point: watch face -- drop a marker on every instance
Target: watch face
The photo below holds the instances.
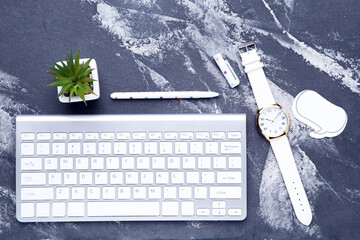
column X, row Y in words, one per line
column 273, row 121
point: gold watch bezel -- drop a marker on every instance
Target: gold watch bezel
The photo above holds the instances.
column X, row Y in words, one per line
column 267, row 136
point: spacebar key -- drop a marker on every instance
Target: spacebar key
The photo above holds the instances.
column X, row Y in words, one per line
column 123, row 209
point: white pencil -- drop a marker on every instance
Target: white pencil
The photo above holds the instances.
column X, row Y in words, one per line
column 163, row 95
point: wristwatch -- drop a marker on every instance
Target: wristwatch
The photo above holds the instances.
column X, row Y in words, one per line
column 273, row 122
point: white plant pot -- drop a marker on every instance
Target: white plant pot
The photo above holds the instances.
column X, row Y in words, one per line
column 96, row 86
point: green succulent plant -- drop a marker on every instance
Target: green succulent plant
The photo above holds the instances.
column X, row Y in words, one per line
column 72, row 76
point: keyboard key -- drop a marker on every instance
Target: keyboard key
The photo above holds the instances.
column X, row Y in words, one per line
column 219, row 204
column 192, row 177
column 204, row 162
column 219, row 162
column 62, row 193
column 42, row 148
column 202, row 135
column 37, row 193
column 82, row 163
column 85, row 178
column 108, row 192
column 200, row 192
column 89, row 148
column 218, row 212
column 58, row 209
column 43, row 209
column 123, row 135
column 50, row 163
column 185, row 192
column 203, row 212
column 186, row 135
column 120, row 148
column 116, row 178
column 224, row 192
column 158, row 162
column 107, row 135
column 139, row 193
column 234, row 212
column 60, row 136
column 155, row 135
column 143, row 162
column 218, row 135
column 173, row 163
column 76, row 136
column 177, row 177
column 43, row 136
column 235, row 162
column 170, row 208
column 211, row 148
column 27, row 210
column 93, row 193
column 97, row 163
column 101, row 178
column 162, row 177
column 92, row 136
column 135, row 148
column 188, row 162
column 196, row 147
column 31, row 163
column 54, row 178
column 147, row 177
column 131, row 178
column 187, row 208
column 74, row 148
column 76, row 209
column 230, row 147
column 150, row 147
column 27, row 149
column 127, row 163
column 33, row 179
column 166, row 148
column 111, row 209
column 169, row 192
column 70, row 178
column 228, row 177
column 112, row 163
column 234, row 135
column 123, row 192
column 78, row 193
column 104, row 148
column 27, row 136
column 58, row 148
column 66, row 163
column 207, row 177
column 171, row 135
column 154, row 192
column 139, row 135
column 181, row 147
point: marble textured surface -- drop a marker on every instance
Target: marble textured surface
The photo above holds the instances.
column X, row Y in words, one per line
column 168, row 45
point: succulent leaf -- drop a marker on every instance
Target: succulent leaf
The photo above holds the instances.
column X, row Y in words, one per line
column 72, row 76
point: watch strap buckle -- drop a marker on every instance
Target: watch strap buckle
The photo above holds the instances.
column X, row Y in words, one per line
column 246, row 47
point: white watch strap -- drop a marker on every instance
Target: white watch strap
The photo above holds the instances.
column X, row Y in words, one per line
column 259, row 84
column 291, row 177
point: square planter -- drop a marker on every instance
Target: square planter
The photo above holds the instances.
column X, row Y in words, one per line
column 96, row 87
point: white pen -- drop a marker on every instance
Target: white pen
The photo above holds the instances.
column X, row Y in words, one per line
column 163, row 95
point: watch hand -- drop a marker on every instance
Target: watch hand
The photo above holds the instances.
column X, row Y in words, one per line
column 275, row 117
column 268, row 119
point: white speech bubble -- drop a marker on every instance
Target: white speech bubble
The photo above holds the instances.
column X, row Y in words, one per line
column 327, row 119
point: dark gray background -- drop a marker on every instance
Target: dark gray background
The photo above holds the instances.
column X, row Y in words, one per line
column 168, row 45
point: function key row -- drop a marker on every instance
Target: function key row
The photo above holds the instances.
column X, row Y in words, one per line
column 29, row 136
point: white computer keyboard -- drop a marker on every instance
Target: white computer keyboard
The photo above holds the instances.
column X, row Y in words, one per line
column 130, row 167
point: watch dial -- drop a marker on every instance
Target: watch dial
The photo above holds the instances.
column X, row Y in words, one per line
column 273, row 121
